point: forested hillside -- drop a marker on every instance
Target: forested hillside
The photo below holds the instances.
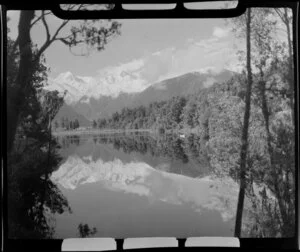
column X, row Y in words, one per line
column 216, row 114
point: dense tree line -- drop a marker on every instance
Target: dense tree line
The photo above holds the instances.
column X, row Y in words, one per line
column 190, row 151
column 182, row 113
column 66, row 124
column 164, row 114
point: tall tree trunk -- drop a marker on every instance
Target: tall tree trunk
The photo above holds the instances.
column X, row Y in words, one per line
column 290, row 78
column 244, row 140
column 291, row 87
column 16, row 96
column 291, row 70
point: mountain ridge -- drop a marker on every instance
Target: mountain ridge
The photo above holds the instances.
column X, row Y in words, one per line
column 94, row 105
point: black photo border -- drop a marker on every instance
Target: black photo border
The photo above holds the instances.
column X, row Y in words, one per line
column 118, row 13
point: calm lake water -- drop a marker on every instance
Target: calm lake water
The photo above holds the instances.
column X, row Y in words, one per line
column 139, row 185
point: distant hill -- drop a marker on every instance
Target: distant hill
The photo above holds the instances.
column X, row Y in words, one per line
column 68, row 112
column 189, row 83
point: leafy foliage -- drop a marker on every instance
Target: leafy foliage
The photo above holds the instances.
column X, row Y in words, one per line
column 215, row 114
column 32, row 197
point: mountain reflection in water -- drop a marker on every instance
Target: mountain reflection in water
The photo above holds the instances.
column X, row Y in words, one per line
column 124, row 186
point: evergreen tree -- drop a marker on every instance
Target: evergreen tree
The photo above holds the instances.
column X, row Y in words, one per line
column 67, row 124
column 76, row 124
column 94, row 124
column 63, row 122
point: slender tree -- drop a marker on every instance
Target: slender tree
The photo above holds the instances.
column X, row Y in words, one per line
column 286, row 18
column 244, row 138
column 16, row 98
column 263, row 43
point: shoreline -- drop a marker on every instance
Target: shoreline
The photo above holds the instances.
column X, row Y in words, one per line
column 119, row 131
column 97, row 131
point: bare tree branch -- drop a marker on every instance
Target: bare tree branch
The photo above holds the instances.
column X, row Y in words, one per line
column 44, row 13
column 59, row 29
column 68, row 43
column 280, row 14
column 32, row 24
column 71, row 7
column 46, row 26
column 49, row 42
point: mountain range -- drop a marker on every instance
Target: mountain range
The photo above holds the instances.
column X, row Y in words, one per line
column 141, row 179
column 88, row 99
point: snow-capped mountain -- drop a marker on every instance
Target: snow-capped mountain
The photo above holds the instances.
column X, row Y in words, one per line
column 114, row 89
column 75, row 86
column 109, row 82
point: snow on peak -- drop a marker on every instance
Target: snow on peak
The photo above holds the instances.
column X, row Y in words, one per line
column 142, row 179
column 109, row 82
column 75, row 86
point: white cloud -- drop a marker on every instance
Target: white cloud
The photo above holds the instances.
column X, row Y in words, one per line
column 220, row 32
column 213, row 53
column 157, row 65
column 210, row 53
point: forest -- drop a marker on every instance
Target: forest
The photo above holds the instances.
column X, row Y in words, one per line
column 246, row 125
column 32, row 151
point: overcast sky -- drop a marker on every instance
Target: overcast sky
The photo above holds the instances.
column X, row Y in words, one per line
column 162, row 47
column 155, row 49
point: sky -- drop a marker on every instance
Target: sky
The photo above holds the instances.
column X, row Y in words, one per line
column 156, row 48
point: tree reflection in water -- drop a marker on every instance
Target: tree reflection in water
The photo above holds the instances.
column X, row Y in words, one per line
column 269, row 191
column 269, row 209
column 85, row 231
column 32, row 196
column 192, row 149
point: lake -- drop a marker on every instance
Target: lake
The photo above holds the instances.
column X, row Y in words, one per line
column 139, row 185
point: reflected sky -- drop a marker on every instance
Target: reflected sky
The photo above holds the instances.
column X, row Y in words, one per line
column 122, row 196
